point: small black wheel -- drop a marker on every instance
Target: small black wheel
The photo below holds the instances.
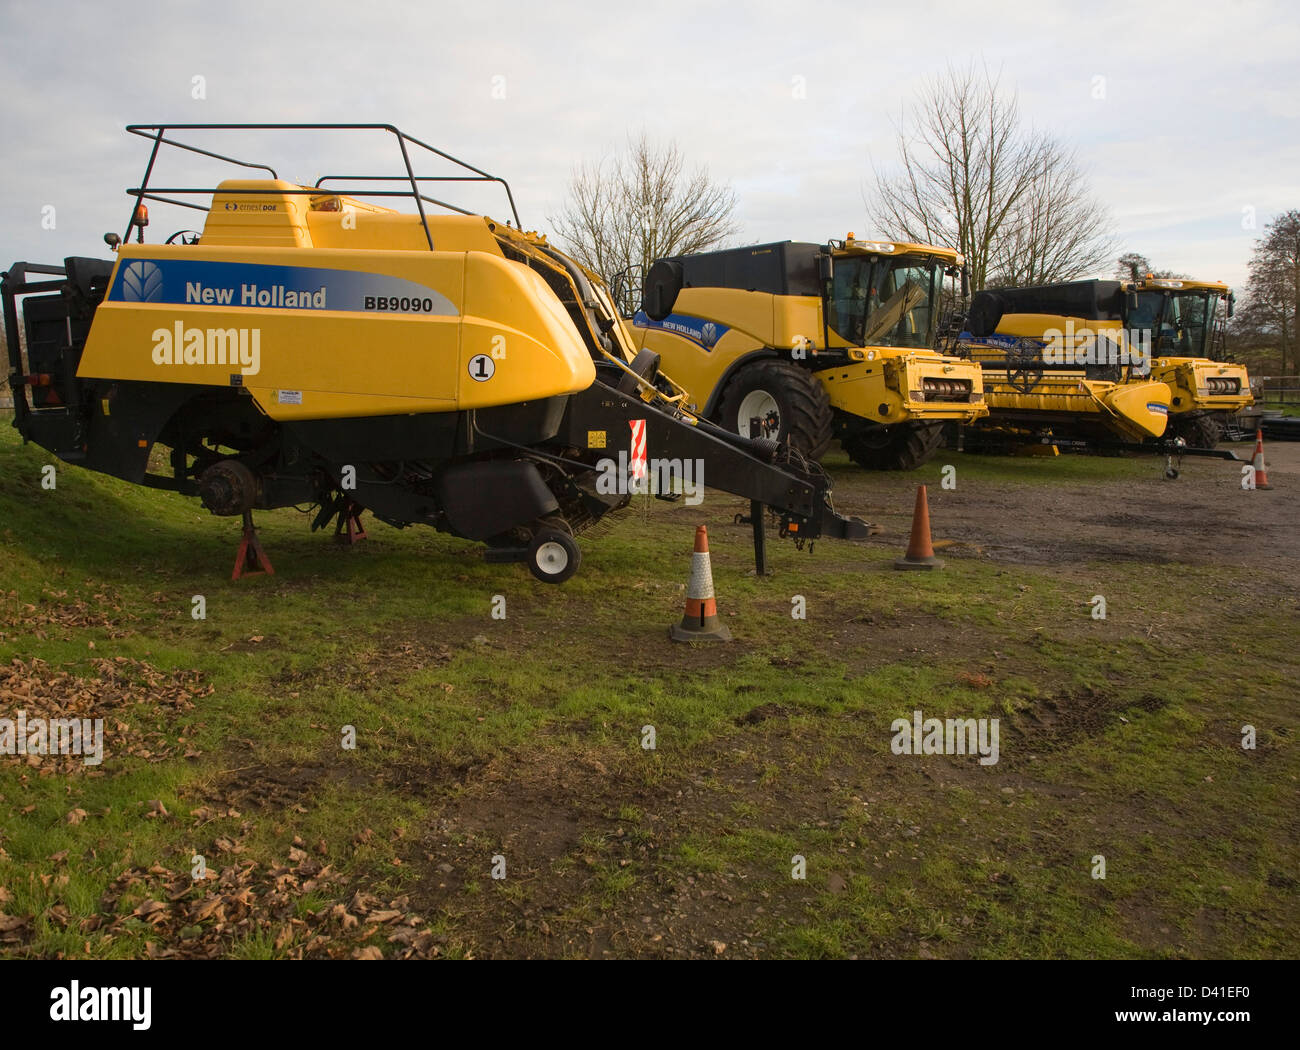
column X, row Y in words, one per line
column 645, row 365
column 184, row 237
column 553, row 555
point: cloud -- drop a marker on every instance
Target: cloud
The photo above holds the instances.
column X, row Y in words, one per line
column 1199, row 110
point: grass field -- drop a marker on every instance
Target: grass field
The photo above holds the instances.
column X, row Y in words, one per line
column 229, row 819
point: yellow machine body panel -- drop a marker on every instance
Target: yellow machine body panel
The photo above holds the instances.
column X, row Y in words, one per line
column 1036, row 326
column 258, row 213
column 852, row 245
column 1197, row 384
column 891, row 386
column 356, row 226
column 349, row 330
column 1178, row 284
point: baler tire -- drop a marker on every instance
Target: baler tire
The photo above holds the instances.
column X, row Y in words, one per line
column 553, row 555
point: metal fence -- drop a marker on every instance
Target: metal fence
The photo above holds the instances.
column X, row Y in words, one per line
column 1279, row 389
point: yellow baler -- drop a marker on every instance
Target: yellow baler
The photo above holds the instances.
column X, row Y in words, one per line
column 307, row 346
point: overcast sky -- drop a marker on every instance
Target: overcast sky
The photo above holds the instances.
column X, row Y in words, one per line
column 1198, row 129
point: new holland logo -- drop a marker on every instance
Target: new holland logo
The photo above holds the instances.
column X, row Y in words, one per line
column 141, row 282
column 709, row 334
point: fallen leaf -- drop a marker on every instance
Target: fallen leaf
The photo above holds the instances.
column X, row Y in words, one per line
column 383, row 916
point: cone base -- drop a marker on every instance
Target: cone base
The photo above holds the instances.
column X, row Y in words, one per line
column 918, row 563
column 688, row 631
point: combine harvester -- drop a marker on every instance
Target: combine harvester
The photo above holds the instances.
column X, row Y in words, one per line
column 306, row 346
column 1187, row 321
column 1075, row 366
column 808, row 343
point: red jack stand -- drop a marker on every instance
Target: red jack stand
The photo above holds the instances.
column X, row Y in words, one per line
column 350, row 519
column 251, row 559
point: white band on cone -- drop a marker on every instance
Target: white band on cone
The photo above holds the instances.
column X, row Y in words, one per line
column 701, row 583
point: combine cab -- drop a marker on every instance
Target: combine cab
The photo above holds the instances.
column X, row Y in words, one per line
column 808, row 343
column 1186, row 321
column 310, row 346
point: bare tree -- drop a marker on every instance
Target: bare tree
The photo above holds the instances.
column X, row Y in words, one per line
column 1270, row 316
column 1013, row 201
column 1058, row 231
column 1130, row 262
column 626, row 211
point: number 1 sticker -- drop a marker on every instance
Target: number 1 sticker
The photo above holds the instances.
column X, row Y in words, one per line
column 481, row 368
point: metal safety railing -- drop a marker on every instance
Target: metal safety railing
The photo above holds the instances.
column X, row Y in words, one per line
column 1280, row 389
column 157, row 134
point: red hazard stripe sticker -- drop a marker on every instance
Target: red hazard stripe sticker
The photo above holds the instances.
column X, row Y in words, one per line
column 637, row 457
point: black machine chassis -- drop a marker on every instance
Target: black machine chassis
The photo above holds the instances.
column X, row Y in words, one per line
column 493, row 475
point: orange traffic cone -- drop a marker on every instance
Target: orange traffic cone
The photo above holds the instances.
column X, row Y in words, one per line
column 920, row 551
column 1261, row 475
column 700, row 622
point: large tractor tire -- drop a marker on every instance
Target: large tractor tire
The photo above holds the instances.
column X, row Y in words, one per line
column 904, row 446
column 792, row 405
column 1201, row 432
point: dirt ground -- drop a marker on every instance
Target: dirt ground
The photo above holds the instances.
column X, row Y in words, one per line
column 570, row 809
column 1204, row 512
column 686, row 852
